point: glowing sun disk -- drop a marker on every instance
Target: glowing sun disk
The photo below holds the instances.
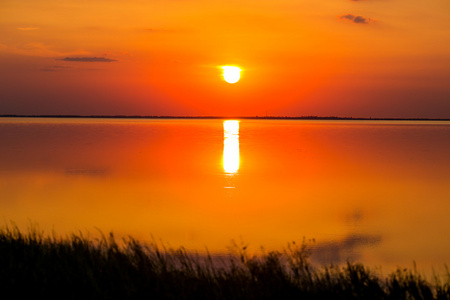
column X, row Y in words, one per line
column 231, row 74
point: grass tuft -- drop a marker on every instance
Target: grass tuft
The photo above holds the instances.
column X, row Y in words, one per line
column 76, row 267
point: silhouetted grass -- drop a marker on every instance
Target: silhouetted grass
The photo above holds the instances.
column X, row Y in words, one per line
column 80, row 268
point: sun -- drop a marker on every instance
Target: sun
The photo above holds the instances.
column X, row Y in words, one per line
column 231, row 74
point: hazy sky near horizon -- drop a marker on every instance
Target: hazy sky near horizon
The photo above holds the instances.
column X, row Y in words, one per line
column 360, row 58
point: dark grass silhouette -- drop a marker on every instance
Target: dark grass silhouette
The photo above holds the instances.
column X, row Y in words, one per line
column 75, row 267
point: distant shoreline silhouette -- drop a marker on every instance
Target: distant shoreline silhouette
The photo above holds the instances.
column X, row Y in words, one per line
column 222, row 117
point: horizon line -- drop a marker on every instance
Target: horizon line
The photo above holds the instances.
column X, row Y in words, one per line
column 221, row 117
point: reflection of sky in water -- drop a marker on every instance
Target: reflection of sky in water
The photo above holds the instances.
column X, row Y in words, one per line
column 376, row 192
column 231, row 146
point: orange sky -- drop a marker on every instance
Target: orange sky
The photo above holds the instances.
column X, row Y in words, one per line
column 366, row 58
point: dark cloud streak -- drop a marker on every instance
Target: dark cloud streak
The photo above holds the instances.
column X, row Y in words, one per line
column 356, row 19
column 88, row 59
column 53, row 68
column 359, row 19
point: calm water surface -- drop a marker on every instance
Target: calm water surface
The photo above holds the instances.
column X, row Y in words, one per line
column 376, row 192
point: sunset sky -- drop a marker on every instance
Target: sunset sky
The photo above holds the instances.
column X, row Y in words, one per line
column 366, row 58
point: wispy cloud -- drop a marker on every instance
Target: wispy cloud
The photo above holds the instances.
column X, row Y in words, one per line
column 28, row 28
column 160, row 30
column 86, row 171
column 356, row 19
column 88, row 59
column 54, row 68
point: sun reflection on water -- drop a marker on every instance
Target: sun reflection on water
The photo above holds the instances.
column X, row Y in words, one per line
column 231, row 147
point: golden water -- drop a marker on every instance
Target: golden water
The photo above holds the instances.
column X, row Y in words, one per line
column 373, row 191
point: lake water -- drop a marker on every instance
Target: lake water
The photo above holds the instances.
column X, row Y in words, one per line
column 371, row 191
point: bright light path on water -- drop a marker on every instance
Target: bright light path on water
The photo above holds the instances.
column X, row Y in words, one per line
column 231, row 146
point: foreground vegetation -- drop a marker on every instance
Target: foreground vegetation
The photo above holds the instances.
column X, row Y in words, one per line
column 77, row 267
